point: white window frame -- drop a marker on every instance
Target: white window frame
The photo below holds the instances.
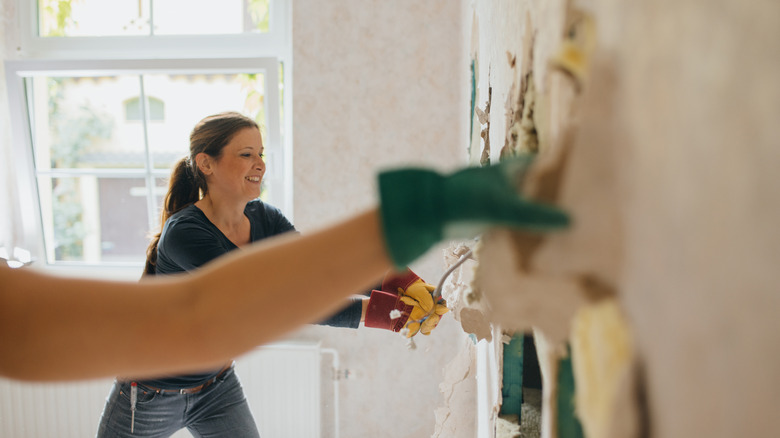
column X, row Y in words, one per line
column 87, row 56
column 31, row 45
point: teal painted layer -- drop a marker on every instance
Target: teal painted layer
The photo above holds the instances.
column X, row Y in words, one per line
column 568, row 424
column 512, row 379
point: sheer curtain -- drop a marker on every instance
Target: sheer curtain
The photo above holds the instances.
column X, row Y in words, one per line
column 9, row 229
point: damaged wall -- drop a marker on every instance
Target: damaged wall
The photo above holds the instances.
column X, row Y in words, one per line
column 656, row 125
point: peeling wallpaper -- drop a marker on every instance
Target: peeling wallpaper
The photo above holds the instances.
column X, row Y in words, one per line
column 663, row 150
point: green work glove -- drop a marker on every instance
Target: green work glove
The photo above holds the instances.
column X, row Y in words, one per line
column 421, row 207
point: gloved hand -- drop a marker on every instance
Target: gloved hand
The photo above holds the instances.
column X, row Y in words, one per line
column 425, row 314
column 407, row 296
column 420, row 207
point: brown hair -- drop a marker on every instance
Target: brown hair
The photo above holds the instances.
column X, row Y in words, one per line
column 187, row 183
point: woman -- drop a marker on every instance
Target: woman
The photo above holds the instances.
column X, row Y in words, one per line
column 211, row 208
column 54, row 328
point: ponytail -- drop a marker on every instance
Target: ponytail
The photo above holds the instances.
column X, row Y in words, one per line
column 183, row 189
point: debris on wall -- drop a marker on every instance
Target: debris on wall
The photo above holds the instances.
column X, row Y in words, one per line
column 463, row 300
column 521, row 293
column 674, row 229
column 521, row 137
column 558, row 287
column 507, row 429
column 484, row 119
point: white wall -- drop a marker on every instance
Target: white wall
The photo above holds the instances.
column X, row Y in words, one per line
column 378, row 84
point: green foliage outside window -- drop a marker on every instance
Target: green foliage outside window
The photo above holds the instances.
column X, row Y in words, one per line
column 259, row 11
column 55, row 17
column 72, row 132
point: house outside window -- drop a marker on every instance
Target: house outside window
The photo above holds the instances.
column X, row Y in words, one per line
column 134, row 110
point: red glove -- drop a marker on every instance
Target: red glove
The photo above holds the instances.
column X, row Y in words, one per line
column 391, row 307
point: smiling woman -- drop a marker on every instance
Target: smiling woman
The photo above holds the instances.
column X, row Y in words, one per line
column 211, row 209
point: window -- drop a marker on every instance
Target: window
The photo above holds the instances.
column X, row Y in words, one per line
column 150, row 17
column 99, row 134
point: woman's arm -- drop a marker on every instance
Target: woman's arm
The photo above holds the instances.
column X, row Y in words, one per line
column 54, row 328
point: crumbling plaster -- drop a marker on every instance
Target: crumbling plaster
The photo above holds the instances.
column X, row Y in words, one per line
column 671, row 186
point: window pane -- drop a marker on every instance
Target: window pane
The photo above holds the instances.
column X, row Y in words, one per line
column 189, row 98
column 92, row 219
column 70, row 18
column 93, row 17
column 134, row 109
column 210, row 17
column 80, row 122
column 90, row 138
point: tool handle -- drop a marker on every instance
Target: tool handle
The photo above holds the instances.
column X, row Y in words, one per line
column 437, row 292
column 133, row 395
column 133, row 401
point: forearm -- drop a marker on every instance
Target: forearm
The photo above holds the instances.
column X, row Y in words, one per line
column 67, row 329
column 340, row 260
column 55, row 329
column 349, row 316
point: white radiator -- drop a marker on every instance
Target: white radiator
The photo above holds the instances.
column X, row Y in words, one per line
column 281, row 381
column 282, row 384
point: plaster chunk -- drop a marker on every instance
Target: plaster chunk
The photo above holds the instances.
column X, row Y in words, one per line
column 602, row 359
column 519, row 301
column 463, row 299
column 505, row 428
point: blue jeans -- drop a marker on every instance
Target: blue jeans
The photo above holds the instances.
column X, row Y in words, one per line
column 220, row 410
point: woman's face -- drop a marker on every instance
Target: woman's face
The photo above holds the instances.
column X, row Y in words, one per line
column 239, row 170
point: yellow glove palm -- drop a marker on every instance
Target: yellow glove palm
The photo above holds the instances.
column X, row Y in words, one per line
column 418, row 295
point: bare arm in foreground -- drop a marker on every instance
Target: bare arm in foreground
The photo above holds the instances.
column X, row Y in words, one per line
column 56, row 328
